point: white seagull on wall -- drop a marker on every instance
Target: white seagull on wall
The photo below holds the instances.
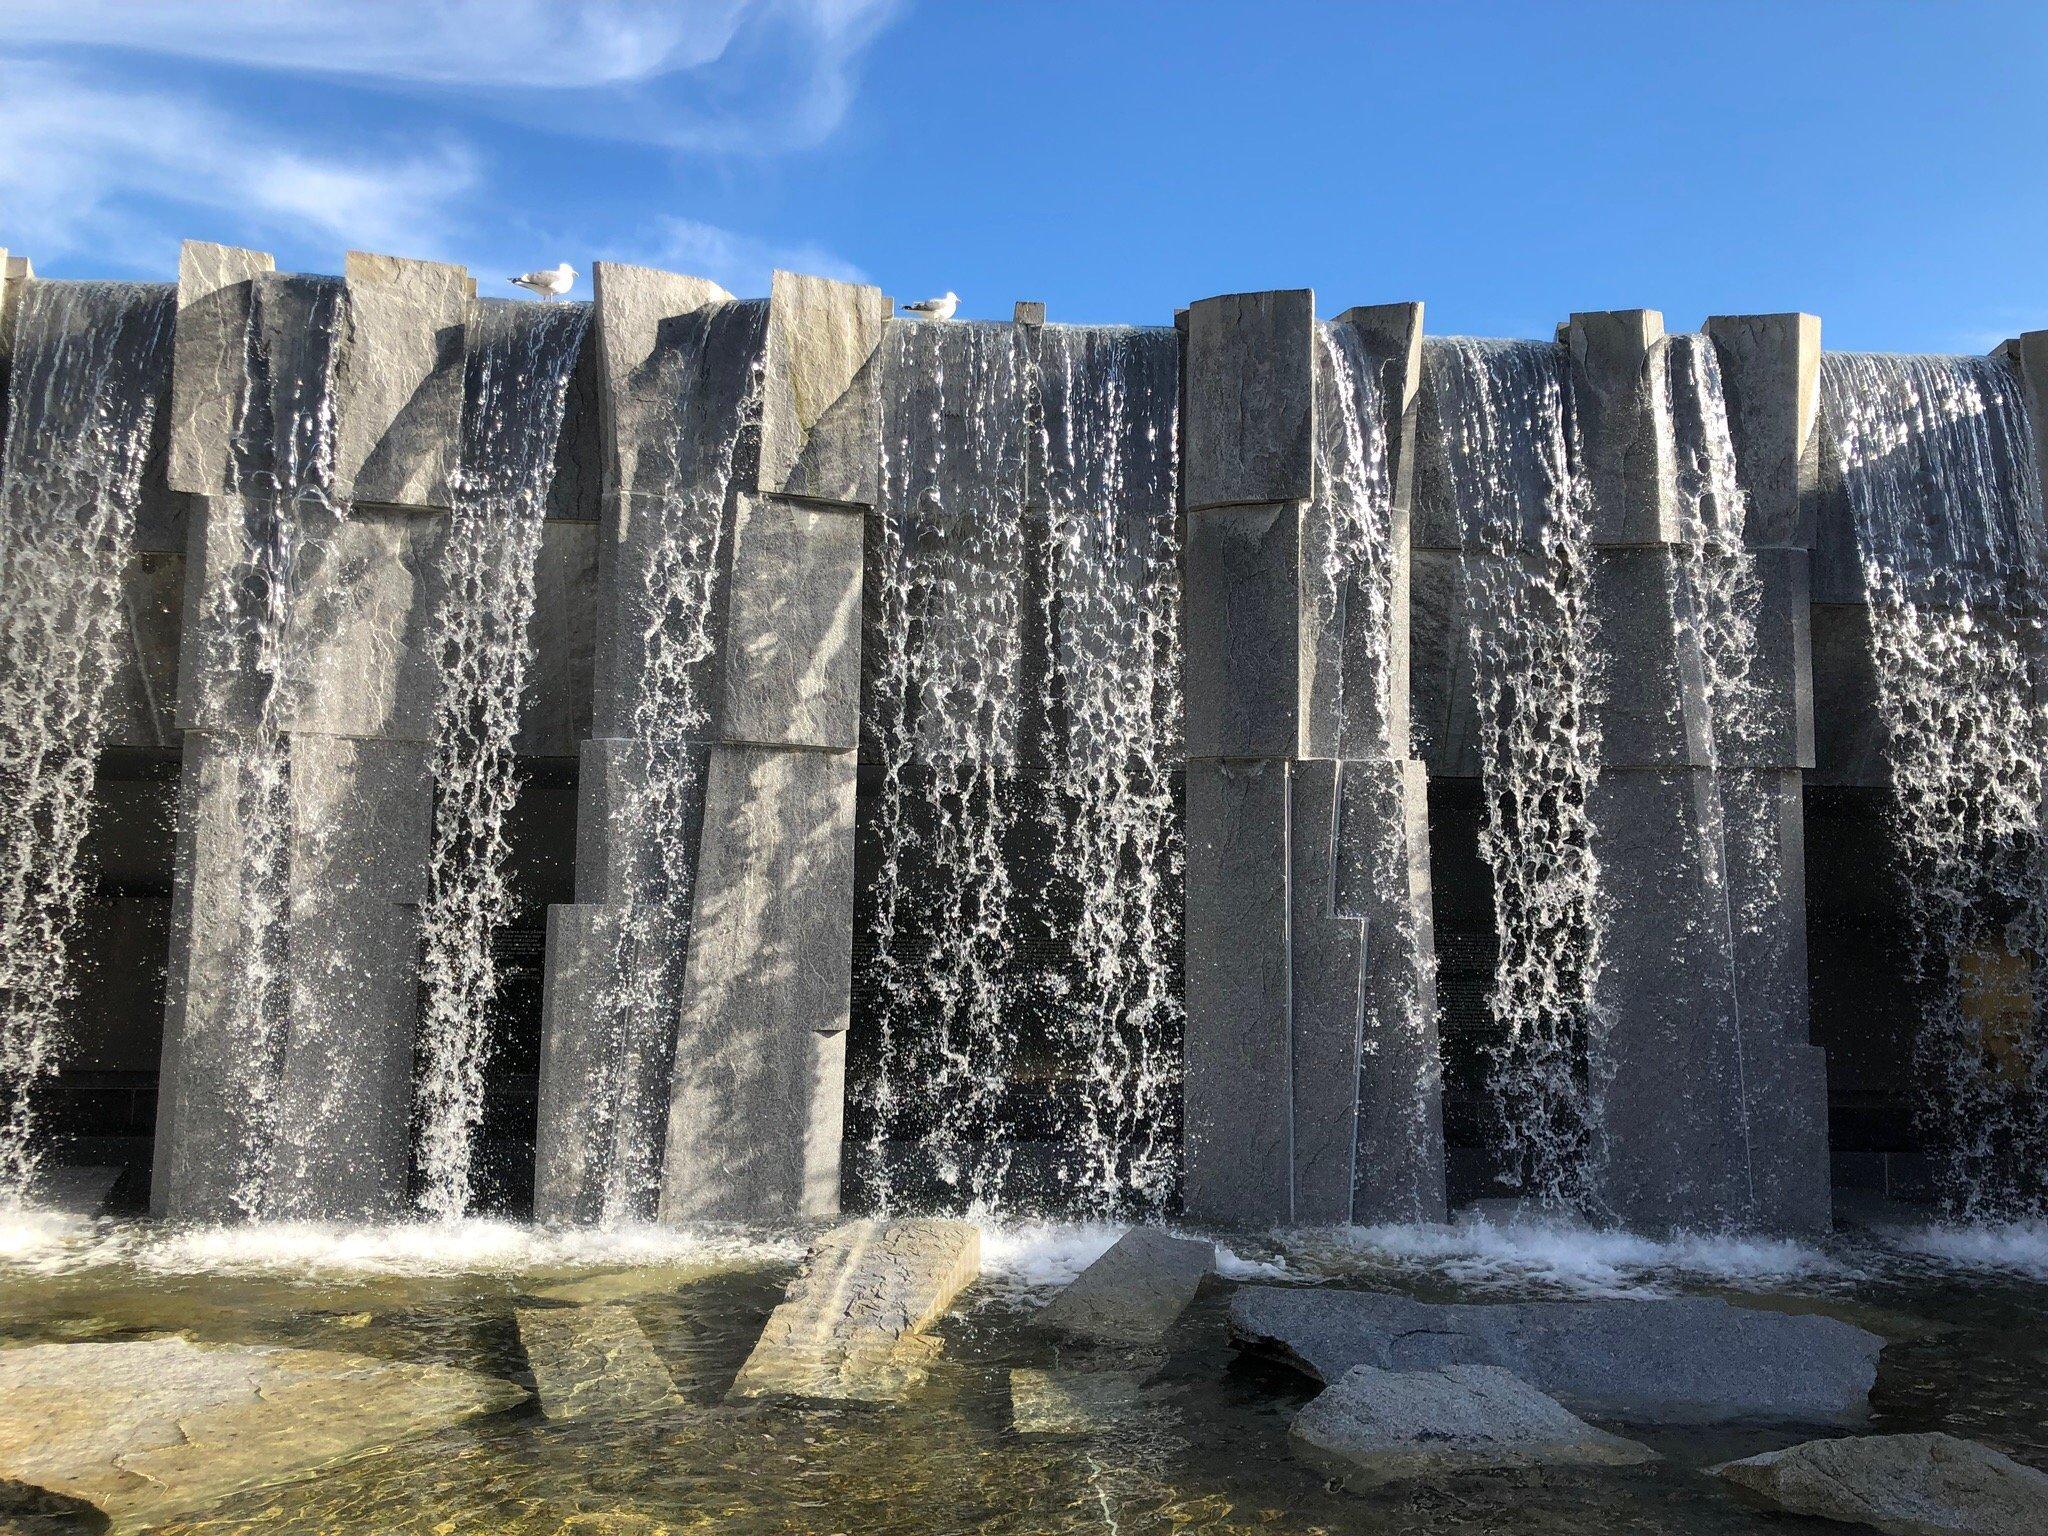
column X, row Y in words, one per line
column 550, row 283
column 935, row 309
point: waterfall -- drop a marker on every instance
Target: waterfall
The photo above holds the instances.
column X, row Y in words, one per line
column 261, row 559
column 948, row 580
column 669, row 593
column 1354, row 558
column 1937, row 466
column 90, row 363
column 1526, row 564
column 520, row 361
column 1111, row 617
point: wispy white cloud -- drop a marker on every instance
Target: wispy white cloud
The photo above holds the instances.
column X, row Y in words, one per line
column 121, row 119
column 91, row 165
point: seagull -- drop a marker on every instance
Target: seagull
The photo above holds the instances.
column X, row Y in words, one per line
column 549, row 283
column 935, row 309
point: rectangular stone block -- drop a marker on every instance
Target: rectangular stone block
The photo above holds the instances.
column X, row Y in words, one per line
column 593, row 1361
column 1241, row 622
column 1393, row 333
column 1850, row 737
column 2030, row 358
column 1781, row 735
column 361, row 604
column 621, row 829
column 398, row 389
column 1250, row 425
column 1666, row 1054
column 1770, row 373
column 556, row 718
column 1326, row 1002
column 1443, row 701
column 1785, row 1074
column 758, row 1093
column 570, row 1159
column 1383, row 875
column 1616, row 362
column 1654, row 712
column 820, row 412
column 215, row 301
column 1239, row 1085
column 790, row 664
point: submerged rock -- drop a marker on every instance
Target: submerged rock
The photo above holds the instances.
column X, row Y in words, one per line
column 1904, row 1485
column 152, row 1428
column 852, row 1323
column 1062, row 1402
column 1378, row 1426
column 1682, row 1361
column 1134, row 1292
column 593, row 1361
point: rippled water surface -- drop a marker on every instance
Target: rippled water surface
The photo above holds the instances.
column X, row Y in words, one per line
column 1964, row 1313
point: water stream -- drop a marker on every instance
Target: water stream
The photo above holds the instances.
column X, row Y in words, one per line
column 520, row 360
column 89, row 372
column 1526, row 560
column 1937, row 463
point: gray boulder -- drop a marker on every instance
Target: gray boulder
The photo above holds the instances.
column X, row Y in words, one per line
column 1904, row 1485
column 1684, row 1361
column 1134, row 1292
column 1379, row 1426
column 154, row 1428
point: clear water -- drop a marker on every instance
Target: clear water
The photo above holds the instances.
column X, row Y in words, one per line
column 89, row 369
column 1525, row 562
column 519, row 370
column 1936, row 459
column 1962, row 1311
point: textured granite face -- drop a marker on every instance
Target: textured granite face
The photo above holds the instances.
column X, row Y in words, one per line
column 853, row 1324
column 1903, row 1485
column 399, row 385
column 153, row 1429
column 820, row 412
column 1770, row 372
column 1132, row 1294
column 1376, row 1426
column 1250, row 428
column 1680, row 1361
column 593, row 1361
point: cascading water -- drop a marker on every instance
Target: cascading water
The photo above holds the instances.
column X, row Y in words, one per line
column 1526, row 565
column 85, row 392
column 1354, row 557
column 949, row 576
column 520, row 361
column 1937, row 465
column 1111, row 611
column 674, row 559
column 281, row 510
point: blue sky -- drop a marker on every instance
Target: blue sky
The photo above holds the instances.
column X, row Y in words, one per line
column 1884, row 165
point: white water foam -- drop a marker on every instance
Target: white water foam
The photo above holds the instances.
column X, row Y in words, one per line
column 2014, row 1249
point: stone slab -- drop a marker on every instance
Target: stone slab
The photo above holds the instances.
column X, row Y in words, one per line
column 1326, row 1001
column 1680, row 1361
column 1068, row 1402
column 215, row 298
column 1904, row 1485
column 1249, row 432
column 1616, row 362
column 1375, row 1426
column 758, row 1092
column 556, row 717
column 153, row 1429
column 1443, row 693
column 1238, row 1087
column 1134, row 1293
column 790, row 665
column 1850, row 738
column 1770, row 374
column 570, row 1161
column 1241, row 632
column 593, row 1362
column 1383, row 875
column 1652, row 712
column 852, row 1325
column 820, row 412
column 398, row 403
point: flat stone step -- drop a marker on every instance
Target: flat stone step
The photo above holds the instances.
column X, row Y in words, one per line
column 1069, row 1402
column 593, row 1360
column 1378, row 1426
column 1903, row 1485
column 1689, row 1360
column 1134, row 1293
column 149, row 1429
column 852, row 1323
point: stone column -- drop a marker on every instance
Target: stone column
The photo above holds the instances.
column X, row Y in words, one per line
column 723, row 1098
column 1671, row 1113
column 320, row 418
column 1301, row 1099
column 16, row 272
column 1770, row 376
